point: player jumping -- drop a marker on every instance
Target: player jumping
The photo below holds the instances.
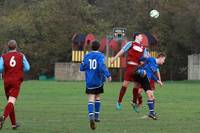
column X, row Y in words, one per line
column 95, row 73
column 13, row 65
column 135, row 51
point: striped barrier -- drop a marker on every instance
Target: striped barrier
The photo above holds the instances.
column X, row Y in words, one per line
column 153, row 53
column 116, row 63
column 77, row 56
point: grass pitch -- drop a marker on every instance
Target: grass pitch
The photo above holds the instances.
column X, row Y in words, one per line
column 61, row 107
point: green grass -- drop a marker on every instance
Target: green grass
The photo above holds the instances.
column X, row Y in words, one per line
column 61, row 107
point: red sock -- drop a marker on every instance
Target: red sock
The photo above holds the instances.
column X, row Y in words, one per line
column 140, row 100
column 122, row 93
column 8, row 109
column 12, row 117
column 135, row 94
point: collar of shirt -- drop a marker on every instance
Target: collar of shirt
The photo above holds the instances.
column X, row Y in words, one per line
column 13, row 50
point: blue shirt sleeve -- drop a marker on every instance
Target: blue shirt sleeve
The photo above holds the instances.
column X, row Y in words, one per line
column 146, row 53
column 82, row 68
column 143, row 59
column 154, row 78
column 83, row 64
column 102, row 67
column 26, row 64
column 127, row 46
column 1, row 65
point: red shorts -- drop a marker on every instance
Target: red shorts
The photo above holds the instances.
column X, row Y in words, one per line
column 129, row 73
column 152, row 84
column 12, row 88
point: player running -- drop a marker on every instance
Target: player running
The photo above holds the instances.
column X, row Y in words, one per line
column 135, row 51
column 95, row 73
column 13, row 65
column 144, row 74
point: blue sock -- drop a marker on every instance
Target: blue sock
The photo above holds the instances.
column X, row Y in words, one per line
column 97, row 108
column 91, row 110
column 151, row 106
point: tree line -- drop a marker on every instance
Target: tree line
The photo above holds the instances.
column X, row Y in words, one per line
column 44, row 28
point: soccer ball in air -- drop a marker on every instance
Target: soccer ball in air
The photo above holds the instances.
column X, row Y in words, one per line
column 154, row 13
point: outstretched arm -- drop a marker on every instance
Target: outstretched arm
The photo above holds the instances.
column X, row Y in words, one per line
column 122, row 51
column 158, row 74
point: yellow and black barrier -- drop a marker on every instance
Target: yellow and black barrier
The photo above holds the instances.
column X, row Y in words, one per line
column 77, row 56
column 153, row 54
column 116, row 63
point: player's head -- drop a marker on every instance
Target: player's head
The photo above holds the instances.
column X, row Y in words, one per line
column 138, row 38
column 95, row 45
column 161, row 58
column 12, row 45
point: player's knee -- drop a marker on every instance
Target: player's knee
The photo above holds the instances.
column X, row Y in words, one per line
column 150, row 95
column 140, row 90
column 11, row 100
column 91, row 97
column 97, row 97
column 136, row 85
column 125, row 84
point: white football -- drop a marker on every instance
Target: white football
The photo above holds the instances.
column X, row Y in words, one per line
column 154, row 13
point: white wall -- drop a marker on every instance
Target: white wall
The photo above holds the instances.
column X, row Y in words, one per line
column 194, row 67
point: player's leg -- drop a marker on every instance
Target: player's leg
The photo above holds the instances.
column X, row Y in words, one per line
column 121, row 94
column 97, row 107
column 140, row 101
column 146, row 86
column 151, row 105
column 7, row 110
column 13, row 117
column 91, row 100
column 135, row 96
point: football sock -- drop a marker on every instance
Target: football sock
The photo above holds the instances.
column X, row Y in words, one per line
column 8, row 109
column 91, row 110
column 97, row 108
column 12, row 117
column 140, row 100
column 122, row 93
column 151, row 106
column 135, row 94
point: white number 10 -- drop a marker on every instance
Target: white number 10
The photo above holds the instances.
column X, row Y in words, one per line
column 12, row 61
column 93, row 64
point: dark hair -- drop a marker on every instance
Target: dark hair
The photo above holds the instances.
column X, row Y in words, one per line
column 136, row 34
column 95, row 45
column 12, row 45
column 161, row 54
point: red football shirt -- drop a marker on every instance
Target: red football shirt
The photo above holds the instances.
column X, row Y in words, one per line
column 13, row 66
column 135, row 52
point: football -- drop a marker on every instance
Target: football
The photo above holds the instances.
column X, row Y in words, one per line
column 154, row 13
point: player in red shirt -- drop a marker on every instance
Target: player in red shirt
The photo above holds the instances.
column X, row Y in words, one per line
column 135, row 51
column 13, row 65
